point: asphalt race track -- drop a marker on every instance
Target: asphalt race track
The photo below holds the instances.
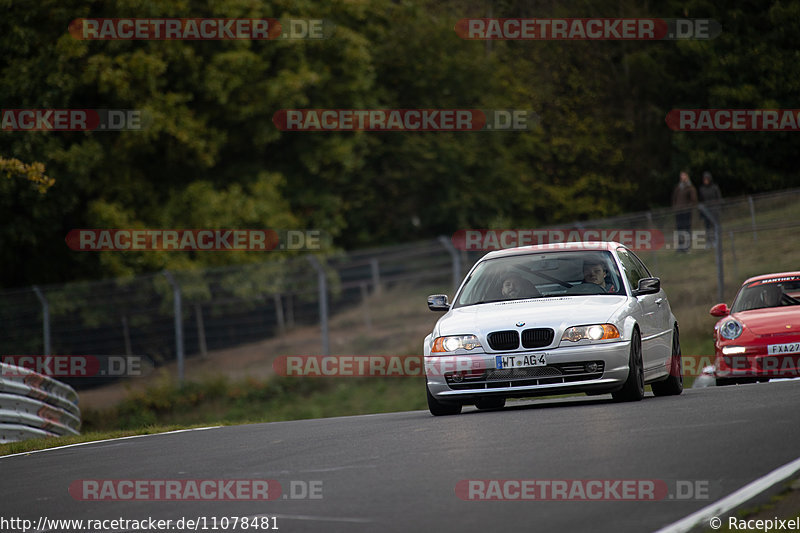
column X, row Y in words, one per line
column 398, row 472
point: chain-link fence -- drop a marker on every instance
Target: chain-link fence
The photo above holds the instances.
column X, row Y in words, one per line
column 168, row 315
column 756, row 234
column 216, row 308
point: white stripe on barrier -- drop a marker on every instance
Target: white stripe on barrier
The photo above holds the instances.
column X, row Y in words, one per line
column 16, row 432
column 33, row 405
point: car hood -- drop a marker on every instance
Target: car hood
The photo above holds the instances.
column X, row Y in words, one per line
column 772, row 320
column 556, row 313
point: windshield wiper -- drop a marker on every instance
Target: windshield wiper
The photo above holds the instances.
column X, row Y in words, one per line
column 491, row 301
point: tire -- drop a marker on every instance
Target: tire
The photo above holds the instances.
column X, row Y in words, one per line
column 633, row 389
column 673, row 385
column 438, row 408
column 490, row 403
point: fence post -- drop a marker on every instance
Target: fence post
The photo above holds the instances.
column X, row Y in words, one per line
column 448, row 244
column 365, row 304
column 733, row 252
column 753, row 217
column 322, row 283
column 276, row 298
column 201, row 331
column 717, row 249
column 289, row 310
column 45, row 318
column 376, row 275
column 176, row 297
column 126, row 335
column 651, row 226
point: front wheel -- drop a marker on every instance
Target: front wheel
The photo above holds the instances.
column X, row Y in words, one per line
column 673, row 385
column 438, row 408
column 633, row 389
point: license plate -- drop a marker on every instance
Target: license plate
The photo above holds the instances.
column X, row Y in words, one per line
column 776, row 349
column 520, row 360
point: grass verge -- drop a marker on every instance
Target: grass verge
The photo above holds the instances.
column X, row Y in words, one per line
column 91, row 436
column 222, row 401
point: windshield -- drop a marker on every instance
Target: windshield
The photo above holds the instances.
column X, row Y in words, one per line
column 775, row 292
column 539, row 275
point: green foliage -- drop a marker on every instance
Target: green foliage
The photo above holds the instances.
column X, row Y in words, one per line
column 221, row 401
column 211, row 157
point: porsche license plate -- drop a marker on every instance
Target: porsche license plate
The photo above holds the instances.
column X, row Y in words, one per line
column 776, row 349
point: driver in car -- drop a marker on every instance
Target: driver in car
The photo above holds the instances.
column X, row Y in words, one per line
column 512, row 287
column 515, row 287
column 594, row 272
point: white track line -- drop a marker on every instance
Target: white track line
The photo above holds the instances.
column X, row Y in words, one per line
column 106, row 440
column 735, row 499
column 320, row 518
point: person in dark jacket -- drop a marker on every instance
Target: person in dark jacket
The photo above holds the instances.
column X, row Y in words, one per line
column 711, row 197
column 684, row 198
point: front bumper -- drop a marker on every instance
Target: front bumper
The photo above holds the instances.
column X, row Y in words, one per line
column 757, row 363
column 466, row 377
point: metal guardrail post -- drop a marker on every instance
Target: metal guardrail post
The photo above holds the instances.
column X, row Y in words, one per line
column 322, row 283
column 45, row 318
column 176, row 297
column 448, row 244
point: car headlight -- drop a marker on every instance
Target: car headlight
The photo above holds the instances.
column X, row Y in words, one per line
column 730, row 329
column 595, row 332
column 733, row 350
column 452, row 343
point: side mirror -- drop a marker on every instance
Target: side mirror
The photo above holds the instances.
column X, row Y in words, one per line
column 647, row 286
column 720, row 310
column 438, row 302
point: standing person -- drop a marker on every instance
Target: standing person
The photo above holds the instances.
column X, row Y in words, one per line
column 684, row 198
column 711, row 197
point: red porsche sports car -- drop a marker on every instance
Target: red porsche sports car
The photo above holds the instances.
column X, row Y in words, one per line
column 758, row 338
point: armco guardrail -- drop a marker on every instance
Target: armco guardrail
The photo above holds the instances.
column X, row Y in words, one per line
column 33, row 405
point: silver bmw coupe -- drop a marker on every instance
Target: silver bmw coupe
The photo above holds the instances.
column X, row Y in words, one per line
column 552, row 319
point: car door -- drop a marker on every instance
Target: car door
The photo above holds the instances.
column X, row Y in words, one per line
column 650, row 312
